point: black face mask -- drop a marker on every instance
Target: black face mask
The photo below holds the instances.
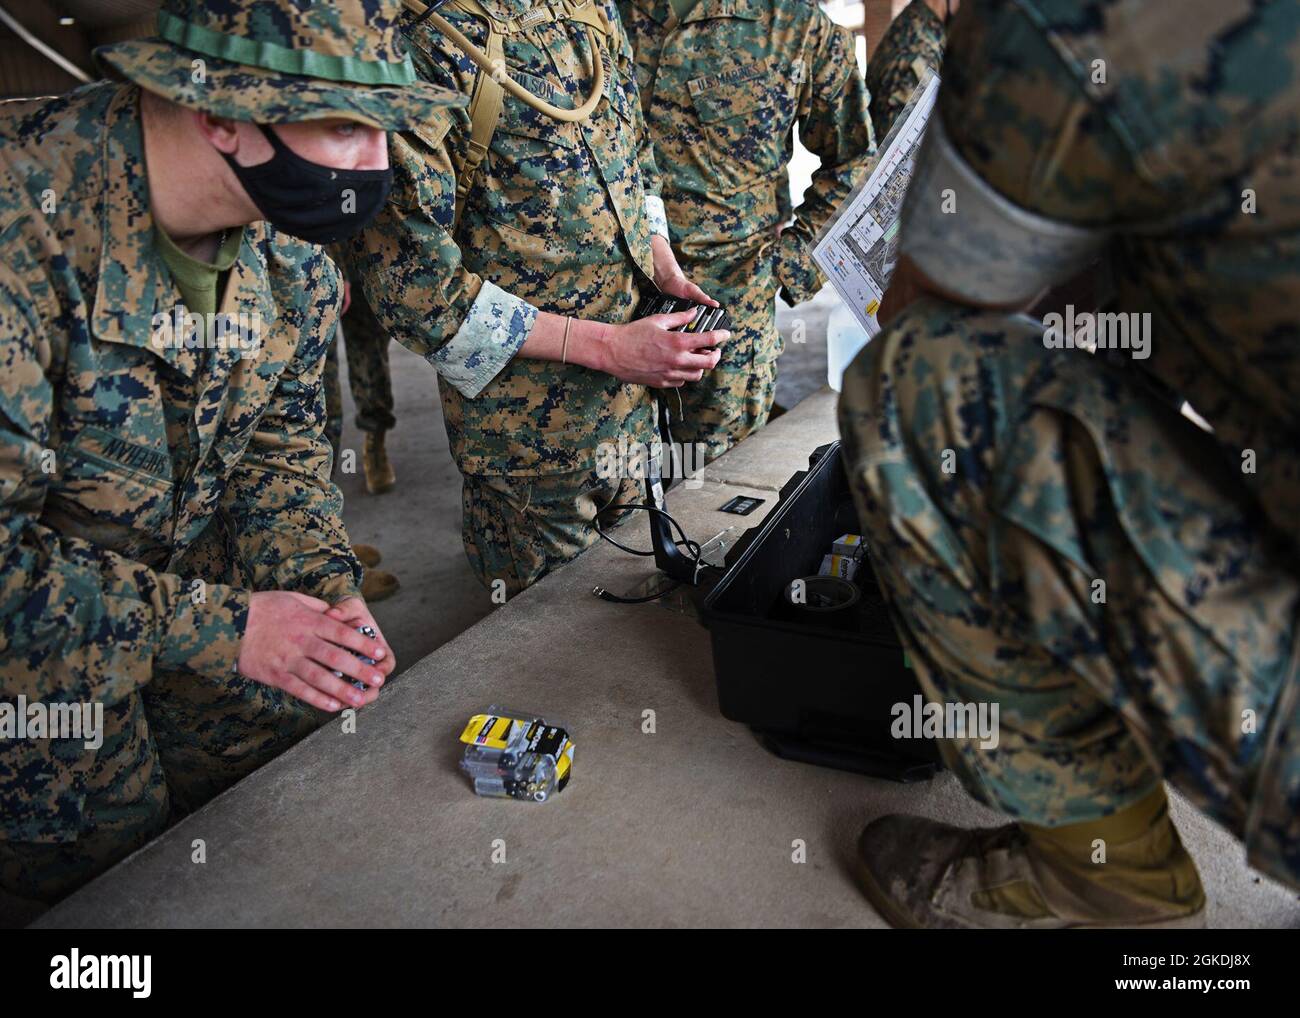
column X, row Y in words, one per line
column 307, row 200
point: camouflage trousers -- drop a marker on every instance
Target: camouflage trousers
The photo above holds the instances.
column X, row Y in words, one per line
column 518, row 529
column 721, row 409
column 369, row 378
column 735, row 398
column 166, row 751
column 1057, row 539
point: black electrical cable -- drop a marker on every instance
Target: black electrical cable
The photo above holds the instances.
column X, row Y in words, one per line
column 605, row 595
column 692, row 547
column 684, row 542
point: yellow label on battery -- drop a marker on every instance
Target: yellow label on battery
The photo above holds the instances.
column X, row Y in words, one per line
column 838, row 565
column 487, row 730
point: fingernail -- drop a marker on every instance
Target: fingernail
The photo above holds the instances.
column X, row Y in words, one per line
column 378, row 654
column 357, row 697
column 376, row 679
column 333, row 705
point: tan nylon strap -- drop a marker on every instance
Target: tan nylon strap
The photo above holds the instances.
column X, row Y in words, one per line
column 577, row 114
column 484, row 112
column 488, row 97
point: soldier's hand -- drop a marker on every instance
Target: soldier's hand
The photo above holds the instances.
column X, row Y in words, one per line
column 669, row 276
column 355, row 612
column 292, row 644
column 646, row 352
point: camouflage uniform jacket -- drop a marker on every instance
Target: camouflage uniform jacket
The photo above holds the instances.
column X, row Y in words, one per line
column 121, row 453
column 722, row 92
column 557, row 220
column 912, row 45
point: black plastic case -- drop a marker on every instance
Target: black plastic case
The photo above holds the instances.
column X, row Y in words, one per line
column 821, row 692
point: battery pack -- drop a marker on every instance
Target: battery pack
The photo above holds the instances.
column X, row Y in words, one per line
column 848, row 544
column 706, row 318
column 516, row 755
column 843, row 566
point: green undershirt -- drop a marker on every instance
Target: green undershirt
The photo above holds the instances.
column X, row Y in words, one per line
column 198, row 281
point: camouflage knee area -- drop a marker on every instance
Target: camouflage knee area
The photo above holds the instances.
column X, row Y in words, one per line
column 126, row 804
column 210, row 733
column 516, row 530
column 721, row 409
column 925, row 403
column 925, row 418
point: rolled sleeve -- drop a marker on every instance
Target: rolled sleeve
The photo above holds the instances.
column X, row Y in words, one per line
column 491, row 334
column 656, row 215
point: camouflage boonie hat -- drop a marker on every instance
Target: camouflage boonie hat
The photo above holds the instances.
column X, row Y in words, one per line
column 280, row 61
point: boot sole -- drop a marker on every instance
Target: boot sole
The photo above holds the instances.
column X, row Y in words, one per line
column 885, row 906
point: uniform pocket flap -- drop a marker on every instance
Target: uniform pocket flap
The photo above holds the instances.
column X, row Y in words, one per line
column 731, row 94
column 521, row 120
column 432, row 132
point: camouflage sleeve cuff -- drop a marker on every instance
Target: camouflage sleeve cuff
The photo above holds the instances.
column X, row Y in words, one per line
column 966, row 236
column 491, row 334
column 204, row 637
column 655, row 215
column 334, row 587
column 795, row 269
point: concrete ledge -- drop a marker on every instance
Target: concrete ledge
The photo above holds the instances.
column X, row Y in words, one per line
column 768, row 457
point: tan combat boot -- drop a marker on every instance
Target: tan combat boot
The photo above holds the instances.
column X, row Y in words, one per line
column 379, row 472
column 923, row 874
column 367, row 554
column 377, row 585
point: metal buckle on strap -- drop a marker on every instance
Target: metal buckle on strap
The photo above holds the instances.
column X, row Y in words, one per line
column 578, row 10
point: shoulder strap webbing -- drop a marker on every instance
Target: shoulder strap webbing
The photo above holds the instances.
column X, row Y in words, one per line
column 485, row 106
column 488, row 96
